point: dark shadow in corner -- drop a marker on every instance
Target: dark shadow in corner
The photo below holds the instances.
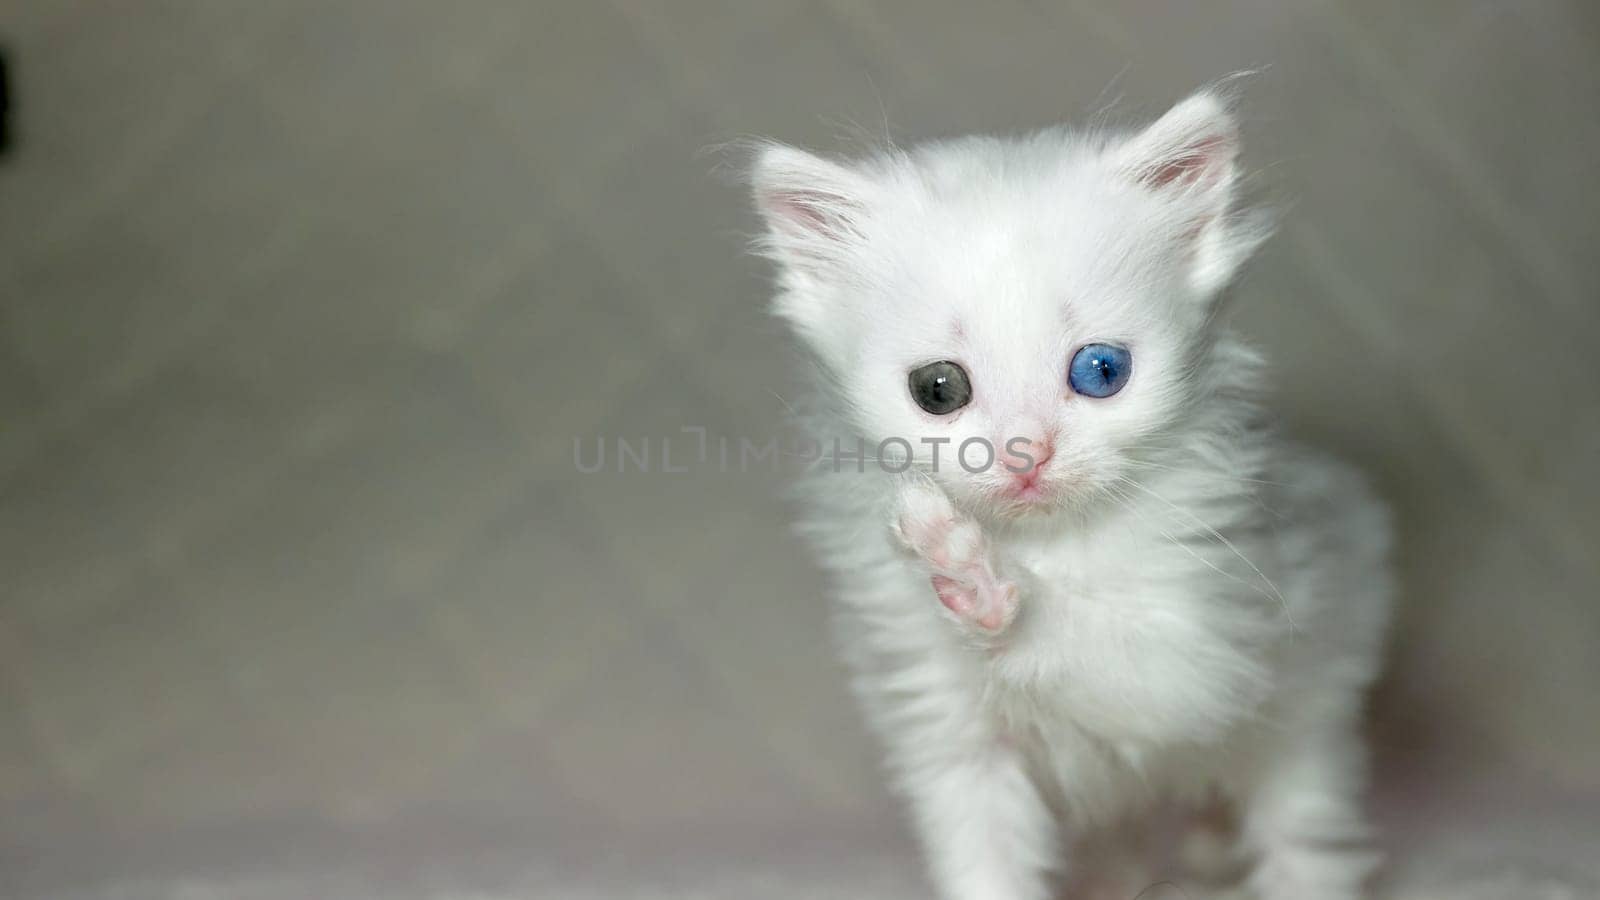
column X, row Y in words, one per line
column 5, row 104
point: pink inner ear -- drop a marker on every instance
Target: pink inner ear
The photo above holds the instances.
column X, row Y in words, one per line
column 1199, row 162
column 813, row 211
column 797, row 207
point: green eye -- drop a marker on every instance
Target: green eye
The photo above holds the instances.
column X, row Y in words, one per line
column 940, row 388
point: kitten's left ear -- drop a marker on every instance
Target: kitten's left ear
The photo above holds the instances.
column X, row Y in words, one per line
column 1189, row 158
column 814, row 208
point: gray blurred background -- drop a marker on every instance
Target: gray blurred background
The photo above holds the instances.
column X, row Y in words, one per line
column 303, row 304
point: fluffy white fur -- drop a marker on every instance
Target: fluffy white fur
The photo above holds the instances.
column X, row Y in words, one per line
column 1196, row 606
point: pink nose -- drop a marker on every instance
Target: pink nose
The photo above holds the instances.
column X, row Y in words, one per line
column 1025, row 460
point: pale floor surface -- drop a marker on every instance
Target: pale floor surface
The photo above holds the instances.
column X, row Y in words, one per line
column 303, row 304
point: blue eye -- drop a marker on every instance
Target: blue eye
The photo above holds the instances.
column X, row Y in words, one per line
column 1099, row 370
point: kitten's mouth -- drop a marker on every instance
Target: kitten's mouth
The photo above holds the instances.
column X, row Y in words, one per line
column 1028, row 498
column 1031, row 493
column 1030, row 488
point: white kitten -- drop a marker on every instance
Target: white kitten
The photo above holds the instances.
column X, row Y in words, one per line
column 1148, row 595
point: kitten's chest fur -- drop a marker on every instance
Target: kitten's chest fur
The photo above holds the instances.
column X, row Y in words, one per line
column 1147, row 633
column 1139, row 627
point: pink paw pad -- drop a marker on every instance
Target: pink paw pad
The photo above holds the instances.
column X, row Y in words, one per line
column 989, row 607
column 955, row 549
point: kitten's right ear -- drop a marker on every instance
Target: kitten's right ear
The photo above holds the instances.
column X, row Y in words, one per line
column 1190, row 158
column 814, row 209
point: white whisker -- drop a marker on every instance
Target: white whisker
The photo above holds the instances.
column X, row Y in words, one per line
column 1276, row 594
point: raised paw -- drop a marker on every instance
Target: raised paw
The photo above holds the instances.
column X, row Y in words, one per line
column 988, row 604
column 957, row 553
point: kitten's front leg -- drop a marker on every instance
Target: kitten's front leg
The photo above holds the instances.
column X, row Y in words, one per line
column 985, row 831
column 958, row 556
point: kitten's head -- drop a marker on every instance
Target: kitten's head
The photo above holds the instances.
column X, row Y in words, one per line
column 1047, row 297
